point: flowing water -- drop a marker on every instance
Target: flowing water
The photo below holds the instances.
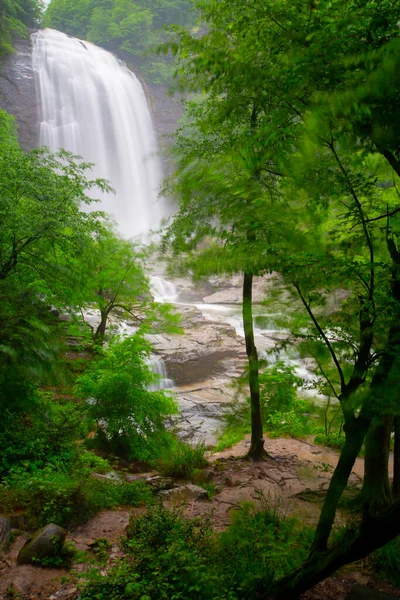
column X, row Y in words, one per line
column 92, row 105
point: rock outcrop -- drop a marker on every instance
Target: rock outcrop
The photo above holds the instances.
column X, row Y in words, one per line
column 18, row 94
column 45, row 543
column 5, row 533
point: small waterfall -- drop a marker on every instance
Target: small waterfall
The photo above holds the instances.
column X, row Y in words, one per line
column 163, row 291
column 157, row 365
column 93, row 106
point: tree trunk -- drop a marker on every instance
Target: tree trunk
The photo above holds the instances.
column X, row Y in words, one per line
column 256, row 451
column 354, row 438
column 355, row 545
column 396, row 460
column 100, row 334
column 376, row 492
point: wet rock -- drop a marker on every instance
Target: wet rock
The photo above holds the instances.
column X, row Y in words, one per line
column 18, row 92
column 5, row 532
column 112, row 476
column 159, row 483
column 359, row 592
column 185, row 492
column 45, row 543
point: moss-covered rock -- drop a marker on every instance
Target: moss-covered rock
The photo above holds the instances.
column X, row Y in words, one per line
column 44, row 544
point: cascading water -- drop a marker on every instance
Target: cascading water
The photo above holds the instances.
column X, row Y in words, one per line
column 93, row 106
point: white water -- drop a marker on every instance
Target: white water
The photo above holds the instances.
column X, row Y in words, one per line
column 163, row 291
column 93, row 106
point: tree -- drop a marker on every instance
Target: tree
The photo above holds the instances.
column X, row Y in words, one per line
column 130, row 29
column 43, row 235
column 130, row 416
column 15, row 18
column 322, row 169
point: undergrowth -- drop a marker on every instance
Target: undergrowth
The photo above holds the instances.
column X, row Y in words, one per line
column 171, row 557
column 182, row 460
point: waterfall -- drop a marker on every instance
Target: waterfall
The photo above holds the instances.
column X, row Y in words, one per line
column 163, row 290
column 92, row 105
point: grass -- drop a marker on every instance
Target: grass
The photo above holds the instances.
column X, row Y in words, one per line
column 182, row 460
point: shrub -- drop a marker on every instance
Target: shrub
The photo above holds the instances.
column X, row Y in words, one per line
column 334, row 439
column 182, row 459
column 130, row 417
column 291, row 423
column 66, row 499
column 386, row 561
column 45, row 436
column 171, row 557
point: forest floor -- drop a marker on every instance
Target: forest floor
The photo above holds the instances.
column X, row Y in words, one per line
column 292, row 481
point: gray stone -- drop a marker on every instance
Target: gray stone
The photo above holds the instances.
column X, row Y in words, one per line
column 159, row 483
column 5, row 532
column 360, row 592
column 112, row 476
column 45, row 543
column 185, row 492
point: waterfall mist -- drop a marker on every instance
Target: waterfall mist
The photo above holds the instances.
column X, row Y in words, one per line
column 93, row 106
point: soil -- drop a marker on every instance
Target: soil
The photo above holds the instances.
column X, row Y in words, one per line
column 292, row 480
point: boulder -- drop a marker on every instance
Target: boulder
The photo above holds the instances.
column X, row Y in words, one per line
column 45, row 543
column 184, row 493
column 360, row 592
column 159, row 483
column 5, row 532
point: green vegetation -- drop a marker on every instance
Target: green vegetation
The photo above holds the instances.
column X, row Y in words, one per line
column 130, row 418
column 182, row 460
column 171, row 556
column 15, row 18
column 132, row 30
column 57, row 382
column 288, row 162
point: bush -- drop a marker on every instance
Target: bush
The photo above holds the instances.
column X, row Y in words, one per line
column 66, row 499
column 182, row 459
column 171, row 557
column 291, row 423
column 386, row 561
column 334, row 439
column 131, row 418
column 45, row 436
column 282, row 412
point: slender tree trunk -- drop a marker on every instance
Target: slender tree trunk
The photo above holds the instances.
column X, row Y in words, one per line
column 354, row 438
column 396, row 460
column 100, row 333
column 256, row 451
column 376, row 492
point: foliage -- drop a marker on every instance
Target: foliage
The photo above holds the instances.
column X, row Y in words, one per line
column 172, row 557
column 131, row 29
column 66, row 497
column 182, row 459
column 116, row 387
column 43, row 437
column 284, row 414
column 15, row 18
column 278, row 388
column 386, row 561
column 44, row 232
column 113, row 279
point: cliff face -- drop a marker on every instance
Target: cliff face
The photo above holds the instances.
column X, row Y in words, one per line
column 18, row 92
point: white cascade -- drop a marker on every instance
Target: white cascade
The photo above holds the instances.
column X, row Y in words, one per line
column 163, row 291
column 158, row 367
column 92, row 105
